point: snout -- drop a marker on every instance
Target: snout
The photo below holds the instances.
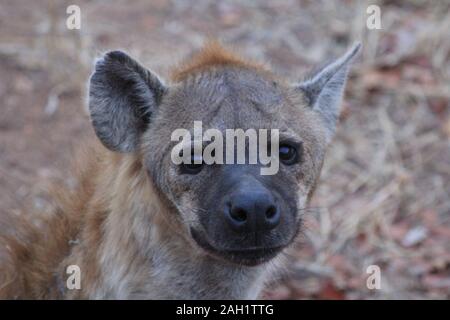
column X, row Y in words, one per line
column 251, row 211
column 249, row 219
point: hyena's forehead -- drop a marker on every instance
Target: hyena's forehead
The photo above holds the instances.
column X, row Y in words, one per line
column 227, row 98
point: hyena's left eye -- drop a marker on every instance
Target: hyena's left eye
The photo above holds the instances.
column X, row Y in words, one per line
column 191, row 168
column 289, row 154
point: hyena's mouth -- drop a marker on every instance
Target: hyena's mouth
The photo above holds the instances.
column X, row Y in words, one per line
column 246, row 256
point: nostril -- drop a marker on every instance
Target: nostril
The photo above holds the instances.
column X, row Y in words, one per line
column 238, row 214
column 237, row 218
column 271, row 212
column 272, row 217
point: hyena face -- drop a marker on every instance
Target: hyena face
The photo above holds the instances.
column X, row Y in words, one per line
column 231, row 211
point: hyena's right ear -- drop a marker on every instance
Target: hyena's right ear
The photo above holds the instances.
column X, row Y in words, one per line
column 324, row 90
column 122, row 96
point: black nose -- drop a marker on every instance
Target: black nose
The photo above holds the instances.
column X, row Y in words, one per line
column 252, row 211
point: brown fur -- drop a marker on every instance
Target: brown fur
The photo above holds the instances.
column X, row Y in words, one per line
column 211, row 55
column 32, row 257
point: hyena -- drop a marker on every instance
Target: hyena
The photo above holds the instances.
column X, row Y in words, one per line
column 139, row 226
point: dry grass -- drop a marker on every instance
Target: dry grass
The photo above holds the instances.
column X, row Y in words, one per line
column 385, row 193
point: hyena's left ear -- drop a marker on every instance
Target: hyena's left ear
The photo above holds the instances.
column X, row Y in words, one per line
column 122, row 96
column 324, row 90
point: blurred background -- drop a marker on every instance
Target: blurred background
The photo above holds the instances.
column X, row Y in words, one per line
column 384, row 196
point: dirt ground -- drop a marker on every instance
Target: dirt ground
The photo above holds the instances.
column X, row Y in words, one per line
column 384, row 196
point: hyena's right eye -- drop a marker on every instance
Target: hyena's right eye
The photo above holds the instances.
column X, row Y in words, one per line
column 289, row 154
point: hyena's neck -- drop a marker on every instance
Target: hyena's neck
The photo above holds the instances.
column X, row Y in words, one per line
column 173, row 269
column 141, row 256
